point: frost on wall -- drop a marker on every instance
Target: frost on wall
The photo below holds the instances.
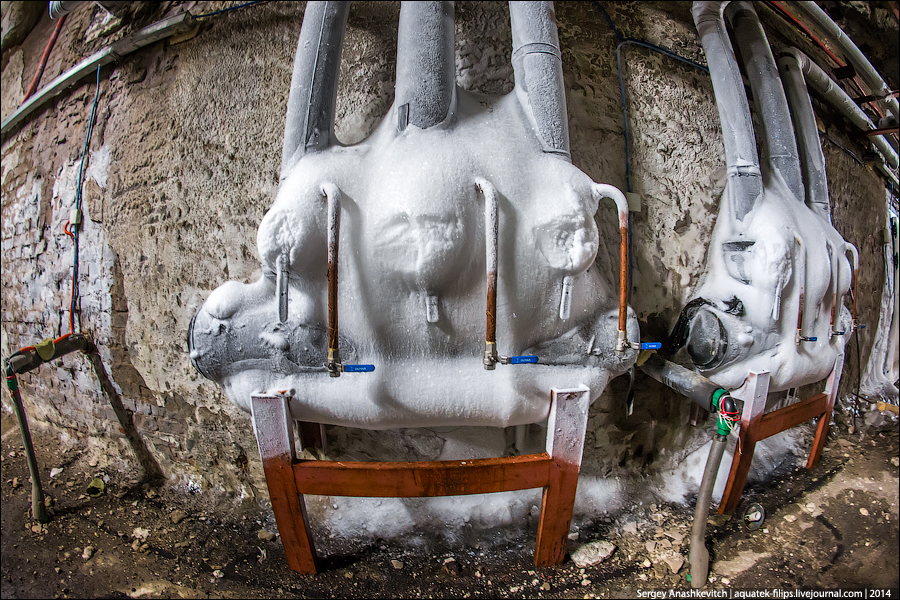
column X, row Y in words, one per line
column 195, row 132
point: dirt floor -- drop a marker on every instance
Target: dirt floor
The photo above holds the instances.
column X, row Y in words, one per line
column 833, row 527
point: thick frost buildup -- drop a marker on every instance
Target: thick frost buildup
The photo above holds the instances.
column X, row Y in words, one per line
column 412, row 262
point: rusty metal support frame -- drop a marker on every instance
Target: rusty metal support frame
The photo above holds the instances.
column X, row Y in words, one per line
column 757, row 425
column 556, row 471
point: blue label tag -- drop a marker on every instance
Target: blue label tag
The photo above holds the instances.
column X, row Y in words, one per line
column 522, row 360
column 651, row 345
column 812, row 339
column 359, row 368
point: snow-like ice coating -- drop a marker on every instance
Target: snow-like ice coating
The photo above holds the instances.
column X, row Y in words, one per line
column 412, row 271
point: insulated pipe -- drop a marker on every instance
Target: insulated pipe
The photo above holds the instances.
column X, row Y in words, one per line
column 853, row 54
column 333, row 196
column 426, row 64
column 824, row 85
column 309, row 125
column 61, row 9
column 491, row 237
column 537, row 65
column 600, row 191
column 699, row 555
column 741, row 158
column 775, row 118
column 812, row 159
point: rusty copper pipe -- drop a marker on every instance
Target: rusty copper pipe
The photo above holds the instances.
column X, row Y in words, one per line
column 491, row 242
column 854, row 279
column 333, row 195
column 613, row 193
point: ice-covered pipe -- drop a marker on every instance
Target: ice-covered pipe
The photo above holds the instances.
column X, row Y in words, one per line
column 491, row 236
column 741, row 159
column 333, row 197
column 426, row 67
column 537, row 64
column 282, row 280
column 853, row 54
column 800, row 275
column 854, row 264
column 600, row 191
column 775, row 125
column 309, row 124
column 830, row 91
column 812, row 159
column 688, row 383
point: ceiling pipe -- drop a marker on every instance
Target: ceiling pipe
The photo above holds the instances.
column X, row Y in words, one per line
column 853, row 54
column 830, row 91
column 309, row 125
column 779, row 144
column 426, row 64
column 741, row 157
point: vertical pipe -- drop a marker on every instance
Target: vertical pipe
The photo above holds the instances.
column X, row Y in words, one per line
column 854, row 263
column 812, row 160
column 309, row 124
column 281, row 285
column 741, row 158
column 835, row 271
column 607, row 191
column 800, row 266
column 38, row 511
column 774, row 116
column 537, row 64
column 699, row 555
column 333, row 196
column 491, row 242
column 426, row 64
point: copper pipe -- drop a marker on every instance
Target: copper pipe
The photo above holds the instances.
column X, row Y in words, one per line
column 853, row 281
column 43, row 64
column 801, row 283
column 491, row 236
column 613, row 193
column 333, row 195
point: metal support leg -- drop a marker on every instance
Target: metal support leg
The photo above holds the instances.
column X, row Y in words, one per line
column 273, row 426
column 831, row 389
column 565, row 444
column 754, row 393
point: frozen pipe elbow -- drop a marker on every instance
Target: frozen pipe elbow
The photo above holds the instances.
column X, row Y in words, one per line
column 602, row 190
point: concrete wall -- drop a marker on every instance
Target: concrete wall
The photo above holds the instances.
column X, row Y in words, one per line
column 184, row 162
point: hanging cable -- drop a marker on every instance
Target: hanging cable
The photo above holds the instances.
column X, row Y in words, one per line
column 73, row 225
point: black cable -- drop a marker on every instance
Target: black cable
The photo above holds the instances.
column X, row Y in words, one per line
column 225, row 10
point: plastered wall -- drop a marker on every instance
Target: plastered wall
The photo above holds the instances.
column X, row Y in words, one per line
column 184, row 163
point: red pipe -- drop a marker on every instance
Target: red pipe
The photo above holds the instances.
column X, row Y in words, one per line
column 40, row 70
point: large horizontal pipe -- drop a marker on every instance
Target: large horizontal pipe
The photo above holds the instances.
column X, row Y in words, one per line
column 690, row 384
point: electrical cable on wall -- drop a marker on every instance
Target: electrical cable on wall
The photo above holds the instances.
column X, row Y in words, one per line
column 73, row 225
